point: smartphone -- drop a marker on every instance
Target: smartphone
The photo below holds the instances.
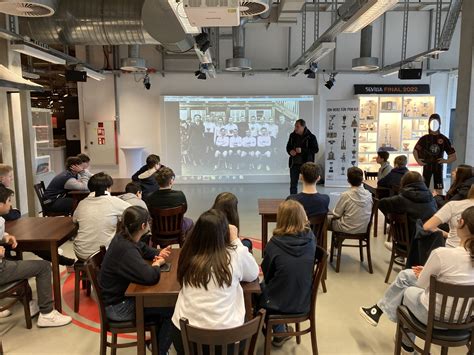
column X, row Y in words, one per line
column 165, row 267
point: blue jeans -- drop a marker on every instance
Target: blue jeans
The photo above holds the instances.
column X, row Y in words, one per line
column 125, row 311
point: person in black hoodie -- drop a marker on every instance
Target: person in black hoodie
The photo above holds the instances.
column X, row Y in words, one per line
column 288, row 263
column 393, row 178
column 146, row 176
column 124, row 263
column 302, row 146
column 461, row 180
column 414, row 199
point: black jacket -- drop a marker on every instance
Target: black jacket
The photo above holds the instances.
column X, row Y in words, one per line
column 124, row 263
column 463, row 190
column 415, row 200
column 309, row 146
column 288, row 272
column 166, row 198
column 393, row 178
column 148, row 184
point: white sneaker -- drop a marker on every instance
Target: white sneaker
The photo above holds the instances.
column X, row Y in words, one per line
column 6, row 313
column 53, row 319
column 34, row 308
column 388, row 245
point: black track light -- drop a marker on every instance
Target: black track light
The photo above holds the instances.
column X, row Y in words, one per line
column 330, row 83
column 202, row 40
column 146, row 82
column 311, row 71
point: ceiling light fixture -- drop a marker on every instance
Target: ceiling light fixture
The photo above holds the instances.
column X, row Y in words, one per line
column 178, row 9
column 318, row 53
column 367, row 14
column 202, row 40
column 330, row 83
column 201, row 73
column 311, row 71
column 146, row 82
column 37, row 53
column 91, row 73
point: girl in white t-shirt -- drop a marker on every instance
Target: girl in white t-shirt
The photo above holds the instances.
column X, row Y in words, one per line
column 412, row 286
column 211, row 266
column 450, row 214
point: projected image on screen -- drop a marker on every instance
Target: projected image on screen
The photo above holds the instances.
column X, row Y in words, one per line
column 237, row 136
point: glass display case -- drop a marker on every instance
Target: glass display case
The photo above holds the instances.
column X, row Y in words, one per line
column 43, row 135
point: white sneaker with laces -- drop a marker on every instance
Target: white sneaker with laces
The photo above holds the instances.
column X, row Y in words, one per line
column 34, row 308
column 6, row 313
column 388, row 245
column 53, row 319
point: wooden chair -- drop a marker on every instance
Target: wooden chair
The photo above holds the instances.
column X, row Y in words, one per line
column 18, row 291
column 93, row 265
column 239, row 340
column 338, row 238
column 445, row 330
column 80, row 274
column 400, row 240
column 44, row 202
column 370, row 175
column 319, row 224
column 274, row 319
column 166, row 226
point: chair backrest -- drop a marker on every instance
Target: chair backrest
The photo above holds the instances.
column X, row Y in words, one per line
column 93, row 265
column 318, row 224
column 370, row 175
column 320, row 263
column 39, row 189
column 234, row 339
column 399, row 230
column 375, row 208
column 167, row 222
column 460, row 298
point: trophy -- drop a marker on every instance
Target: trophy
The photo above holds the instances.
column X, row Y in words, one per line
column 354, row 122
column 343, row 158
column 343, row 142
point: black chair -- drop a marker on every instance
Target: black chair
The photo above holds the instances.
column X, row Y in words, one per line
column 80, row 276
column 44, row 202
column 400, row 241
column 93, row 265
column 274, row 319
column 443, row 328
column 319, row 224
column 17, row 291
column 239, row 340
column 338, row 238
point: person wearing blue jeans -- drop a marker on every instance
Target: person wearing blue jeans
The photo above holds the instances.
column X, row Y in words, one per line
column 411, row 287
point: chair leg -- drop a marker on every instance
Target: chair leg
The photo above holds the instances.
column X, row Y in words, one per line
column 398, row 340
column 103, row 342
column 369, row 257
column 361, row 251
column 114, row 343
column 77, row 290
column 444, row 350
column 314, row 342
column 339, row 252
column 154, row 341
column 333, row 240
column 88, row 288
column 323, row 284
column 26, row 306
column 268, row 339
column 390, row 266
column 298, row 337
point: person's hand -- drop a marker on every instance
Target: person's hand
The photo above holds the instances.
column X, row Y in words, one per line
column 434, row 193
column 158, row 261
column 10, row 239
column 234, row 233
column 293, row 152
column 417, row 270
column 2, row 252
column 165, row 253
column 298, row 150
column 77, row 168
column 421, row 162
column 441, row 161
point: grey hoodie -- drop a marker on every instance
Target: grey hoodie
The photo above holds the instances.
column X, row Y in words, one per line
column 352, row 211
column 133, row 200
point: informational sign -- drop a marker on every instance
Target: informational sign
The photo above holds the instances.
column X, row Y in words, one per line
column 342, row 137
column 374, row 89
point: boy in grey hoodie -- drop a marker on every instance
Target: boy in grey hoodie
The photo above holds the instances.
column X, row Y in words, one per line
column 133, row 195
column 352, row 211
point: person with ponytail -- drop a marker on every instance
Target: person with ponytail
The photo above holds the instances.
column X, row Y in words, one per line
column 97, row 216
column 412, row 286
column 126, row 262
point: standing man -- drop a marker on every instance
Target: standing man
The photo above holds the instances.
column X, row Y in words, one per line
column 302, row 146
column 429, row 152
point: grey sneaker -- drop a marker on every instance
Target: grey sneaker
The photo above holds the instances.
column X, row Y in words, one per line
column 53, row 319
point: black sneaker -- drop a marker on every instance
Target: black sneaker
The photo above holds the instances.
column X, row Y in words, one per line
column 407, row 349
column 279, row 341
column 371, row 314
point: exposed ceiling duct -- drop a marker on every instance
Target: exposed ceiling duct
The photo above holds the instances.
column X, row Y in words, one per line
column 365, row 62
column 238, row 63
column 29, row 8
column 133, row 63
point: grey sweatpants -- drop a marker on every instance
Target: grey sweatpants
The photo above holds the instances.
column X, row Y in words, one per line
column 11, row 271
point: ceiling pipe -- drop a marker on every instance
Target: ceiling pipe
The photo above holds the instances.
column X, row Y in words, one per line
column 238, row 63
column 365, row 62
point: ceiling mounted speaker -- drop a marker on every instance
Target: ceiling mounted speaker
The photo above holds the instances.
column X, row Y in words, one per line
column 29, row 8
column 249, row 8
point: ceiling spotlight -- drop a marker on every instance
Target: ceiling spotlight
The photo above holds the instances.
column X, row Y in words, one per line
column 330, row 83
column 202, row 40
column 201, row 73
column 311, row 71
column 146, row 82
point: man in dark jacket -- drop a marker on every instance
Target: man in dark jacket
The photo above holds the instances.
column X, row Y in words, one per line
column 393, row 178
column 146, row 176
column 302, row 146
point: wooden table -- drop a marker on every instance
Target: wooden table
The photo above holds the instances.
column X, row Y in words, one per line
column 267, row 209
column 43, row 233
column 165, row 294
column 118, row 188
column 378, row 192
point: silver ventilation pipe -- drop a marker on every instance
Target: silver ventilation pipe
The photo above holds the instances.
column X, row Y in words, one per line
column 238, row 63
column 365, row 62
column 133, row 63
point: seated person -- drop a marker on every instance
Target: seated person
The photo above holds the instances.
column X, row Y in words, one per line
column 393, row 178
column 133, row 195
column 385, row 167
column 354, row 208
column 412, row 286
column 124, row 263
column 11, row 271
column 68, row 180
column 459, row 176
column 211, row 266
column 450, row 213
column 146, row 176
column 166, row 197
column 6, row 179
column 314, row 203
column 462, row 191
column 86, row 162
column 288, row 263
column 226, row 202
column 97, row 216
column 414, row 199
